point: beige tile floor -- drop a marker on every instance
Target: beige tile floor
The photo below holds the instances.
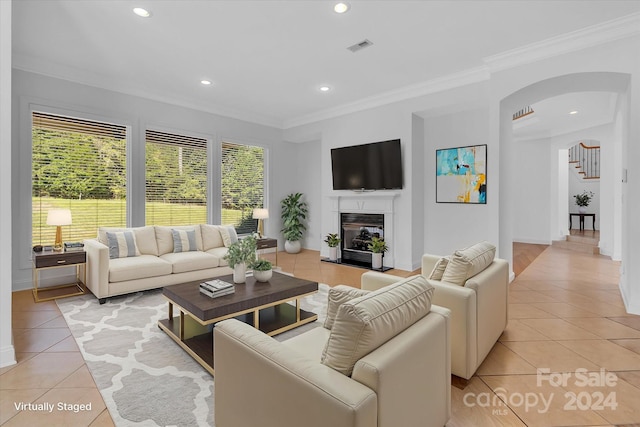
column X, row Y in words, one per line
column 565, row 314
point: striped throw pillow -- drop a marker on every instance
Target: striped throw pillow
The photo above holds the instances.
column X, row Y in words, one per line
column 122, row 244
column 184, row 240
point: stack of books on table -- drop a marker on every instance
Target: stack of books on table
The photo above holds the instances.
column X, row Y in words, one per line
column 73, row 247
column 216, row 288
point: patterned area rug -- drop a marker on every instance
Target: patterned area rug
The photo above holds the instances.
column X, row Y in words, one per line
column 145, row 378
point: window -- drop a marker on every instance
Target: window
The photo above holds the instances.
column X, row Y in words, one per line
column 242, row 185
column 176, row 179
column 79, row 165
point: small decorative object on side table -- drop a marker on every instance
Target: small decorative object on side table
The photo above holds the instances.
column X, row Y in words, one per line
column 52, row 259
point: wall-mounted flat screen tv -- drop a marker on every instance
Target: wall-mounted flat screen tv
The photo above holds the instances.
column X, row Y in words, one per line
column 374, row 166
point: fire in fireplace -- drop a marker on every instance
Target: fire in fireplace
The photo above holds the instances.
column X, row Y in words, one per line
column 357, row 230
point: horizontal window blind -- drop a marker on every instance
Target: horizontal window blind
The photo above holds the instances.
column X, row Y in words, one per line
column 80, row 165
column 242, row 185
column 176, row 179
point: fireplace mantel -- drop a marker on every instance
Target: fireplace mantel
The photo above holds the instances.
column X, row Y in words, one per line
column 381, row 202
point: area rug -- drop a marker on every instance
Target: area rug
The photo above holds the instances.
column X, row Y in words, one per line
column 145, row 378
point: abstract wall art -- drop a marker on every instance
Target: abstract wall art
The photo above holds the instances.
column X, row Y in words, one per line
column 461, row 175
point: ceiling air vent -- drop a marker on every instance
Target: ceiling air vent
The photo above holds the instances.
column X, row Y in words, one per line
column 359, row 46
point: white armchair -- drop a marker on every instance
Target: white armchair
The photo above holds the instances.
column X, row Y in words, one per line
column 478, row 310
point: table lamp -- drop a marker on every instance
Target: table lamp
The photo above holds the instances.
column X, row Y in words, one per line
column 260, row 215
column 58, row 217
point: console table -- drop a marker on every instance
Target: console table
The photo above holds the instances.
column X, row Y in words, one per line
column 582, row 215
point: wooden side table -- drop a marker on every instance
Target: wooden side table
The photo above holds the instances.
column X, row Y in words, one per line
column 268, row 243
column 50, row 259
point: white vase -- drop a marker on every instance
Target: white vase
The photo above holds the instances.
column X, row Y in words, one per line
column 292, row 247
column 376, row 260
column 240, row 273
column 582, row 209
column 333, row 253
column 262, row 276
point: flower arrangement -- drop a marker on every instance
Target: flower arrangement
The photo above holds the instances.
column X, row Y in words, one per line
column 242, row 251
column 583, row 199
column 332, row 240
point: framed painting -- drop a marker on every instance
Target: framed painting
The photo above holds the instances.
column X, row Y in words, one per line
column 461, row 175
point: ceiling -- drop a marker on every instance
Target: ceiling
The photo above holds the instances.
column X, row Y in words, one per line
column 552, row 116
column 267, row 59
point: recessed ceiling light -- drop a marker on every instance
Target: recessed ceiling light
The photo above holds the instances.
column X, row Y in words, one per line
column 141, row 12
column 205, row 82
column 324, row 88
column 341, row 7
column 573, row 112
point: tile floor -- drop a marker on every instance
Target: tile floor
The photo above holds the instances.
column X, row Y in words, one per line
column 565, row 313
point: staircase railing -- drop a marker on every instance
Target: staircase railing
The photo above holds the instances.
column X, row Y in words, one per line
column 587, row 159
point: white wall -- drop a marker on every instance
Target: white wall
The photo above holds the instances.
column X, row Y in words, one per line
column 452, row 226
column 400, row 120
column 307, row 179
column 7, row 351
column 532, row 199
column 31, row 90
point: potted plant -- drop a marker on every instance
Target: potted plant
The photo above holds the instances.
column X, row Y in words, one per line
column 262, row 270
column 332, row 240
column 239, row 255
column 582, row 200
column 294, row 210
column 378, row 247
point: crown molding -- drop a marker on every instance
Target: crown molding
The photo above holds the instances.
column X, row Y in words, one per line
column 63, row 72
column 615, row 29
column 450, row 81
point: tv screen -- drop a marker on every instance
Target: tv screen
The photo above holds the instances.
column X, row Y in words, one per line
column 374, row 166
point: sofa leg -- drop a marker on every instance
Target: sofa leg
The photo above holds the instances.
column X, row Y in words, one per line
column 102, row 300
column 459, row 382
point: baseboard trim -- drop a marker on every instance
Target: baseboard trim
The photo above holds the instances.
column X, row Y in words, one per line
column 628, row 305
column 7, row 356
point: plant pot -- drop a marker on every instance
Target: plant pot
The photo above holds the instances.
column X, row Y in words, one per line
column 376, row 261
column 240, row 273
column 292, row 247
column 582, row 209
column 333, row 253
column 262, row 276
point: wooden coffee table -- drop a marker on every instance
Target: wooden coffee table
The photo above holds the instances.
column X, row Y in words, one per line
column 263, row 305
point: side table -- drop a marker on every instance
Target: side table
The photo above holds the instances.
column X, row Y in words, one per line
column 268, row 243
column 50, row 259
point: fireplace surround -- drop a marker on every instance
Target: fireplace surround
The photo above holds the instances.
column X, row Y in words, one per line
column 358, row 217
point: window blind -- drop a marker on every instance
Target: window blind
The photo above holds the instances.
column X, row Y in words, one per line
column 80, row 165
column 242, row 185
column 176, row 179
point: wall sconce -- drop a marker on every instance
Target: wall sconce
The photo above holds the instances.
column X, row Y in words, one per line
column 260, row 215
column 58, row 217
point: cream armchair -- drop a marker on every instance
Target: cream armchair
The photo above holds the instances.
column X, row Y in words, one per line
column 478, row 310
column 403, row 382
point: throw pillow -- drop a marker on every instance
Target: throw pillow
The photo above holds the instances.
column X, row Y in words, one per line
column 365, row 323
column 338, row 295
column 184, row 240
column 122, row 244
column 438, row 269
column 468, row 262
column 228, row 233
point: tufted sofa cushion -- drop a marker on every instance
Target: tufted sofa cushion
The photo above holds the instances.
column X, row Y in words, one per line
column 365, row 323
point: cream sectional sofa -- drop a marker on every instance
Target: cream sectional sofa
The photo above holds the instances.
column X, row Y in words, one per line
column 383, row 361
column 121, row 261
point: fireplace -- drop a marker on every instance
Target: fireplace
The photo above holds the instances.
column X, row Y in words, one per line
column 357, row 230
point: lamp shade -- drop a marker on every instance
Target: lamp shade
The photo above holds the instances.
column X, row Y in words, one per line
column 59, row 217
column 260, row 213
